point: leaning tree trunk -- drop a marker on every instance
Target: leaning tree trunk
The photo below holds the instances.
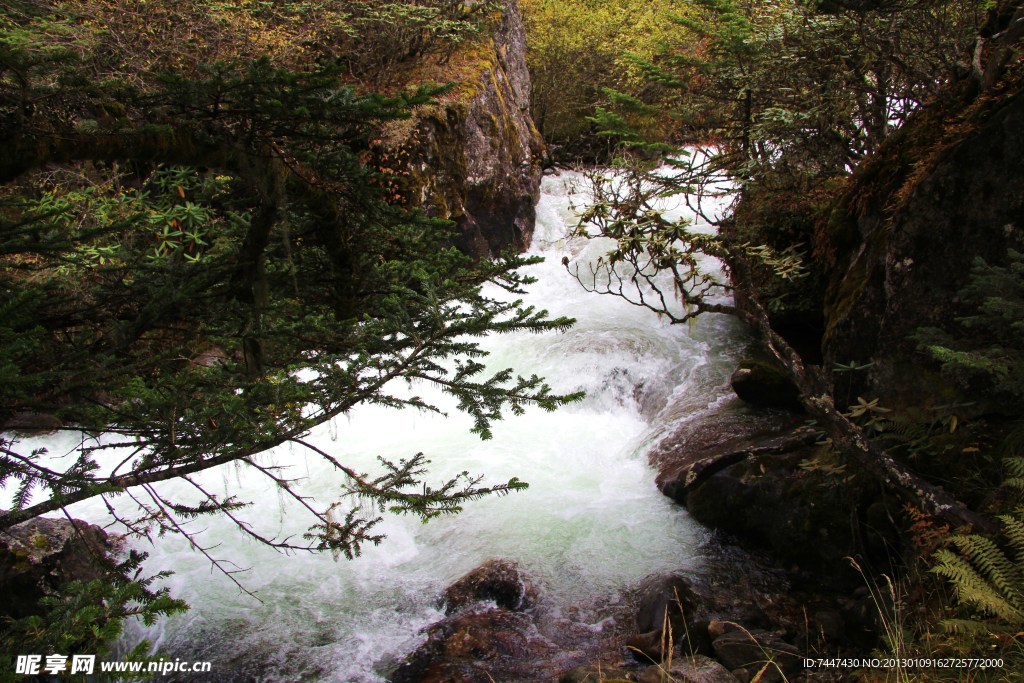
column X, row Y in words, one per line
column 847, row 438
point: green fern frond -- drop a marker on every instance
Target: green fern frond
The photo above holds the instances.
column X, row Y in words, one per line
column 984, row 575
column 991, row 561
column 957, row 570
column 974, row 589
column 1013, row 529
column 1015, row 466
column 1014, row 473
column 970, row 627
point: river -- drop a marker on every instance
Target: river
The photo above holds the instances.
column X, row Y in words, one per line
column 591, row 524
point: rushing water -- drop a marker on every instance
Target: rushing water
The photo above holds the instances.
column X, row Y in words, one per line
column 591, row 523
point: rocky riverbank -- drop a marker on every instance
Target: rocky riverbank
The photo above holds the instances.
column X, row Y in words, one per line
column 775, row 584
column 740, row 618
column 39, row 557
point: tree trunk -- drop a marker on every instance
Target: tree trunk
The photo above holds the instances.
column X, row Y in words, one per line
column 847, row 438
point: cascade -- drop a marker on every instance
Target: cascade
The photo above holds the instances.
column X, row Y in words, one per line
column 591, row 523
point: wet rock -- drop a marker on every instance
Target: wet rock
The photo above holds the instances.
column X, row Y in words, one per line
column 692, row 606
column 484, row 638
column 720, row 439
column 760, row 475
column 829, row 625
column 742, row 675
column 737, row 592
column 765, row 384
column 760, row 651
column 472, row 647
column 498, row 581
column 860, row 616
column 661, row 599
column 694, row 669
column 679, row 603
column 651, row 647
column 781, row 503
column 39, row 556
column 451, row 672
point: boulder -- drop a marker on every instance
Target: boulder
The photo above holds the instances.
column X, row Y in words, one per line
column 681, row 603
column 720, row 439
column 731, row 590
column 760, row 475
column 651, row 647
column 498, row 581
column 39, row 556
column 765, row 384
column 486, row 635
column 808, row 513
column 762, row 652
column 472, row 647
column 595, row 674
column 32, row 423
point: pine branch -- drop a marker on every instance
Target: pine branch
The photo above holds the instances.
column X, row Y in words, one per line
column 220, row 565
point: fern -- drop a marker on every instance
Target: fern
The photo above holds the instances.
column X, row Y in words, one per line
column 986, row 575
column 966, row 627
column 990, row 560
column 975, row 587
column 1013, row 529
column 1015, row 474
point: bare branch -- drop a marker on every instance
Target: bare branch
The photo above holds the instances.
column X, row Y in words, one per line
column 220, row 565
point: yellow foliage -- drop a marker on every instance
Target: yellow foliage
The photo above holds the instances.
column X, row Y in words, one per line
column 576, row 48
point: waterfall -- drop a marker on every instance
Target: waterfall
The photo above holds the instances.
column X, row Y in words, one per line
column 591, row 523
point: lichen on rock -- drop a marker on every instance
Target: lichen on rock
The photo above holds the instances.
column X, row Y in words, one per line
column 38, row 557
column 476, row 156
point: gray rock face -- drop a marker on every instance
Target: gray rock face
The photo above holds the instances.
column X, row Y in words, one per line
column 479, row 155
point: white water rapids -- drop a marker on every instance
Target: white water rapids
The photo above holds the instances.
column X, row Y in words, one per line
column 591, row 523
